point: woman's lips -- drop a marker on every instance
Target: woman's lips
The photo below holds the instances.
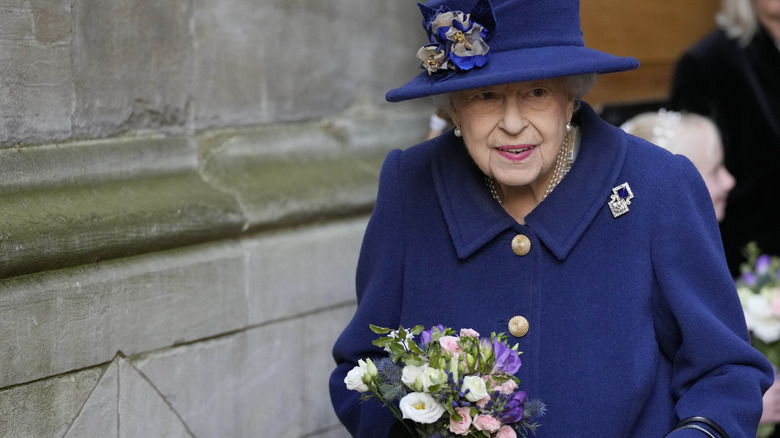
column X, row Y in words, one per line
column 516, row 153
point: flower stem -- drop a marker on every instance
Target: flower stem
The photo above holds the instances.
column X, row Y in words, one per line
column 396, row 412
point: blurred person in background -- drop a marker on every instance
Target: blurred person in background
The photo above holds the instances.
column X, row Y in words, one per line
column 693, row 136
column 732, row 76
column 439, row 123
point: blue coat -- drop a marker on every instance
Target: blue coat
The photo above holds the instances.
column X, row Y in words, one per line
column 634, row 321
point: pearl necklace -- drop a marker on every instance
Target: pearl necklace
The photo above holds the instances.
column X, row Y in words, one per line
column 563, row 164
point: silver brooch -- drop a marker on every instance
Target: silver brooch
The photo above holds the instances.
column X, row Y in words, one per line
column 620, row 199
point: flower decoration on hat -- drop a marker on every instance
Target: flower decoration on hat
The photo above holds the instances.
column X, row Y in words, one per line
column 457, row 39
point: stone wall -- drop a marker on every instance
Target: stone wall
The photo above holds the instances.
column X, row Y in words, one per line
column 184, row 187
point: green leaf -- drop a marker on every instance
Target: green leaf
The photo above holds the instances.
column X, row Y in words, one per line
column 384, row 341
column 413, row 360
column 434, row 388
column 414, row 348
column 379, row 330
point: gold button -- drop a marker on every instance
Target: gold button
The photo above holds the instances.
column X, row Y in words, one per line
column 521, row 245
column 518, row 326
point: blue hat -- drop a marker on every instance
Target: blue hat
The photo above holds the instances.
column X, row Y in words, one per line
column 478, row 43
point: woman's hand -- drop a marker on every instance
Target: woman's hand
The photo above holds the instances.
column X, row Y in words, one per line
column 771, row 413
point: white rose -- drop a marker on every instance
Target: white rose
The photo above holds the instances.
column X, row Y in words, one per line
column 421, row 408
column 757, row 305
column 768, row 330
column 410, row 373
column 759, row 319
column 476, row 387
column 744, row 294
column 354, row 379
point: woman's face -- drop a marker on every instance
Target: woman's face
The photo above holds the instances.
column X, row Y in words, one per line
column 769, row 16
column 703, row 147
column 513, row 131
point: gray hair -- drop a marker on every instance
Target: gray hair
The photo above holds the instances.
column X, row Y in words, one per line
column 580, row 85
column 738, row 18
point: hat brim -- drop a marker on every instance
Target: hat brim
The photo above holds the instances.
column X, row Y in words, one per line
column 516, row 66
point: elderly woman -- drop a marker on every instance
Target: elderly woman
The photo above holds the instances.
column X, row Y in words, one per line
column 597, row 251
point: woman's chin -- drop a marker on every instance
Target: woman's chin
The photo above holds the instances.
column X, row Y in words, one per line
column 720, row 210
column 514, row 182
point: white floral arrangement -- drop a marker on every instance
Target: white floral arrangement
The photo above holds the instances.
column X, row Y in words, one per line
column 759, row 292
column 448, row 385
column 758, row 287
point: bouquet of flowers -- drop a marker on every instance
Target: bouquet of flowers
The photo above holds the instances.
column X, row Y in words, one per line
column 758, row 287
column 759, row 292
column 448, row 385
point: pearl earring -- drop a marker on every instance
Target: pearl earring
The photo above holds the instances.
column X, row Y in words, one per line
column 458, row 132
column 568, row 127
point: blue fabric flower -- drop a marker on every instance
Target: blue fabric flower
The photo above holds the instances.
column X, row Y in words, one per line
column 457, row 43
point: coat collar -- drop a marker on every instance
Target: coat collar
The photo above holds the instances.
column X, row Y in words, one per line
column 474, row 218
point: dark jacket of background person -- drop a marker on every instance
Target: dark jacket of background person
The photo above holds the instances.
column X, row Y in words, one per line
column 739, row 88
column 624, row 313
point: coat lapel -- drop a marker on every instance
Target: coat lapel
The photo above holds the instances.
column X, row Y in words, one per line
column 473, row 217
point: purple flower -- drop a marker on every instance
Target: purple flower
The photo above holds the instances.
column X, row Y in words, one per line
column 507, row 360
column 762, row 263
column 426, row 335
column 749, row 278
column 514, row 408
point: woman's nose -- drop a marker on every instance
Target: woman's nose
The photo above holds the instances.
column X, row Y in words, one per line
column 728, row 180
column 513, row 119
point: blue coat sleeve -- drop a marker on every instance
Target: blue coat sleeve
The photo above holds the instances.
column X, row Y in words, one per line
column 379, row 285
column 716, row 373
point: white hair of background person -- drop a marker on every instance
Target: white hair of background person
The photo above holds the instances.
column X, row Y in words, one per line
column 739, row 19
column 695, row 137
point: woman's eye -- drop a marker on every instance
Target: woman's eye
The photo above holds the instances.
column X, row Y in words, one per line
column 486, row 95
column 537, row 92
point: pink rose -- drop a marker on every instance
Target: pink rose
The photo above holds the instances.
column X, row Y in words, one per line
column 450, row 344
column 487, row 423
column 469, row 332
column 461, row 427
column 490, row 383
column 506, row 432
column 507, row 387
